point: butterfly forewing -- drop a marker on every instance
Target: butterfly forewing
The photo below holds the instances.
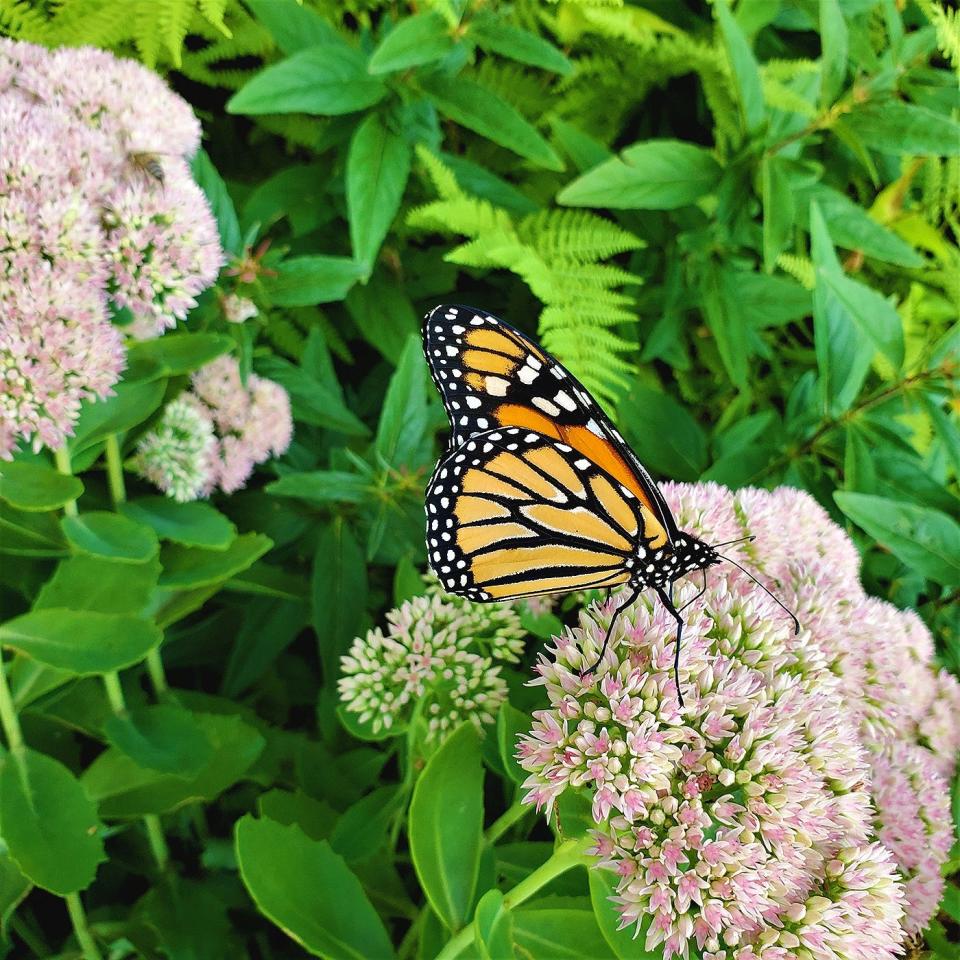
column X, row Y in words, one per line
column 513, row 513
column 490, row 375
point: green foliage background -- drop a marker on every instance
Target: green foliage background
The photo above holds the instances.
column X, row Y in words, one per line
column 738, row 225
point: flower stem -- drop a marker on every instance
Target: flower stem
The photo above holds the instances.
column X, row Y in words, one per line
column 155, row 837
column 8, row 713
column 61, row 457
column 79, row 920
column 158, row 676
column 118, row 492
column 504, row 822
column 569, row 854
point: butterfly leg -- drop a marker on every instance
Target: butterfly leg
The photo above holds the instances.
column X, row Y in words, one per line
column 606, row 640
column 667, row 600
column 701, row 592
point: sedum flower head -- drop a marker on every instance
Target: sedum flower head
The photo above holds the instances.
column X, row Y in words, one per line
column 83, row 229
column 177, row 455
column 437, row 658
column 914, row 823
column 746, row 825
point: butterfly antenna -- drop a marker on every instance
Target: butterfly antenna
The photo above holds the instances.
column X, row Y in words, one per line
column 715, row 546
column 774, row 597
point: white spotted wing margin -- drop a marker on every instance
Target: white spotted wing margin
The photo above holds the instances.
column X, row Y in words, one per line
column 512, row 513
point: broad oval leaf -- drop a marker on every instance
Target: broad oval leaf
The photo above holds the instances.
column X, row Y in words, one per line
column 131, row 404
column 161, row 737
column 626, row 944
column 926, row 540
column 559, row 934
column 82, row 641
column 190, row 567
column 36, row 486
column 414, row 41
column 189, row 524
column 328, row 79
column 308, row 891
column 111, row 535
column 305, row 281
column 48, row 822
column 446, row 826
column 174, row 354
column 654, row 175
column 87, row 582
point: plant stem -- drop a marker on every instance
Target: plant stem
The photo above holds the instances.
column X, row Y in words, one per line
column 157, row 675
column 79, row 920
column 61, row 457
column 568, row 854
column 504, row 822
column 111, row 683
column 8, row 713
column 118, row 491
column 155, row 837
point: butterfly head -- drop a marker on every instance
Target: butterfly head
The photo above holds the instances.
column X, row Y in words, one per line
column 691, row 554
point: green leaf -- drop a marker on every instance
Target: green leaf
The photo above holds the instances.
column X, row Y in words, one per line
column 558, row 934
column 891, row 126
column 37, row 487
column 328, row 79
column 104, row 534
column 361, row 830
column 653, row 175
column 446, row 826
column 312, row 401
column 951, row 902
column 853, row 228
column 626, row 944
column 189, row 919
column 294, row 26
column 283, row 869
column 30, row 534
column 305, row 281
column 190, row 567
column 778, row 209
column 130, row 405
column 728, row 321
column 665, row 437
column 189, row 524
column 511, row 722
column 384, row 316
column 163, row 737
column 81, row 641
column 378, row 164
column 833, row 60
column 123, row 788
column 743, row 68
column 414, row 41
column 221, row 203
column 851, row 322
column 322, row 487
column 315, row 818
column 339, row 592
column 493, row 927
column 902, row 477
column 403, row 431
column 926, row 540
column 96, row 583
column 14, row 887
column 175, row 354
column 766, row 301
column 495, row 34
column 485, row 112
column 859, row 472
column 48, row 822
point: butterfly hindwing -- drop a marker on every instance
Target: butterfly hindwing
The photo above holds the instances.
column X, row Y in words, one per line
column 513, row 513
column 491, row 375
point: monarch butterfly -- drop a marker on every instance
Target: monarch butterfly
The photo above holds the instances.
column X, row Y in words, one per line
column 537, row 492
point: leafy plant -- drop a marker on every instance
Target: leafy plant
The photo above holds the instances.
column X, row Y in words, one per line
column 738, row 223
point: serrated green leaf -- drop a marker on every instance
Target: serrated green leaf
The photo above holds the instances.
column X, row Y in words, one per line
column 423, row 38
column 889, row 125
column 833, row 61
column 305, row 281
column 495, row 34
column 744, row 69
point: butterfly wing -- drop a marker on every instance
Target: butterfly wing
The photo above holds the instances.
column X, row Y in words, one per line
column 513, row 513
column 491, row 375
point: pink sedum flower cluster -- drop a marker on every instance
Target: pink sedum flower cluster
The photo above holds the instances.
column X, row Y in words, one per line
column 213, row 435
column 86, row 228
column 788, row 810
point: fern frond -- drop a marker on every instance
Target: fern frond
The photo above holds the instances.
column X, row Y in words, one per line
column 789, row 69
column 441, row 176
column 173, row 20
column 779, row 96
column 464, row 215
column 578, row 234
column 947, row 24
column 21, row 19
column 800, row 268
column 498, row 248
column 284, row 336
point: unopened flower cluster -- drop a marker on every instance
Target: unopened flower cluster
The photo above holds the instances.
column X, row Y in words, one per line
column 214, row 434
column 795, row 807
column 98, row 215
column 439, row 658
